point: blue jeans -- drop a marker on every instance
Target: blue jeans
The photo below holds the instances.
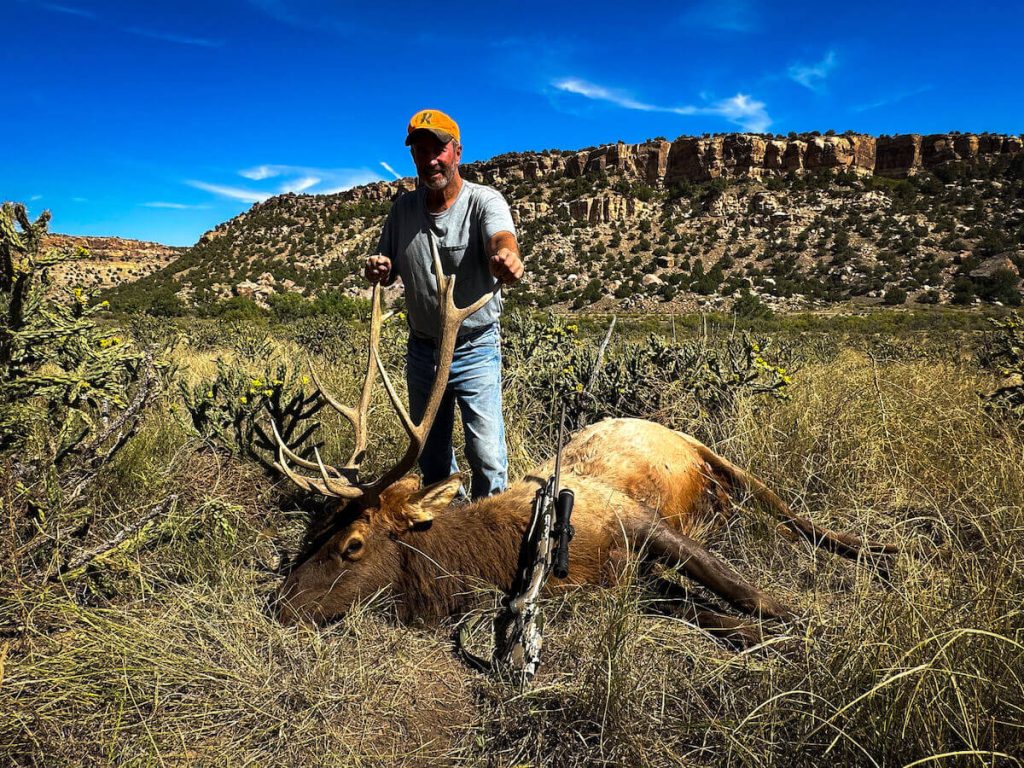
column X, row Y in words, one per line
column 475, row 384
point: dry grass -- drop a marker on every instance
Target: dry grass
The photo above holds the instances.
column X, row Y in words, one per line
column 167, row 656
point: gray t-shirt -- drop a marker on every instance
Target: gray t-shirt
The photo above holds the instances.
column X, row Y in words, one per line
column 462, row 232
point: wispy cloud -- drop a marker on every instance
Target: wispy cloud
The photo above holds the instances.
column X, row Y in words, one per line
column 892, row 98
column 68, row 9
column 289, row 178
column 722, row 15
column 260, row 172
column 154, row 34
column 742, row 110
column 176, row 206
column 300, row 185
column 390, row 170
column 33, row 198
column 357, row 178
column 813, row 76
column 79, row 199
column 233, row 193
column 170, row 37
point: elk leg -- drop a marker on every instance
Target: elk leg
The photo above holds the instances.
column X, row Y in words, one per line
column 705, row 568
column 733, row 632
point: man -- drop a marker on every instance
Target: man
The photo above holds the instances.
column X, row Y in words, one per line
column 473, row 228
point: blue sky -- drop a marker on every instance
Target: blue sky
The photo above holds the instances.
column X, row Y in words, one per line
column 158, row 119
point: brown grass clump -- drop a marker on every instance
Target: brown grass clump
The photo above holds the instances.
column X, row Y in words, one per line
column 166, row 653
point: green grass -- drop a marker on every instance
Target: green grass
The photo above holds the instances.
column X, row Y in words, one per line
column 164, row 653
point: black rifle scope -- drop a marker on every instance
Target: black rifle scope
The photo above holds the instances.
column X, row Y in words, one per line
column 562, row 532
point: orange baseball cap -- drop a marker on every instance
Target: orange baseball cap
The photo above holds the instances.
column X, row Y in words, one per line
column 435, row 121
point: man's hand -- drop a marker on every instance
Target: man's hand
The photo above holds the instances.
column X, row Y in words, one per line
column 506, row 266
column 377, row 269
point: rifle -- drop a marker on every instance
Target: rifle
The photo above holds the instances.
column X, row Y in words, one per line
column 519, row 625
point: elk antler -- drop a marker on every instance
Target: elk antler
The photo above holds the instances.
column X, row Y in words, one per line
column 451, row 318
column 341, row 483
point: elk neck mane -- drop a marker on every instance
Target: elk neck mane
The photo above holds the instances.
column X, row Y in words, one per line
column 465, row 546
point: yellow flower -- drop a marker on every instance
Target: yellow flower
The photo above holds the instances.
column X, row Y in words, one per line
column 305, row 380
column 243, row 399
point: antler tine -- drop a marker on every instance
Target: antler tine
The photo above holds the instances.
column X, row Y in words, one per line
column 339, row 488
column 451, row 318
column 357, row 416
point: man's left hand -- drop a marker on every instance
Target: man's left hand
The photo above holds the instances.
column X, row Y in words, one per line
column 506, row 266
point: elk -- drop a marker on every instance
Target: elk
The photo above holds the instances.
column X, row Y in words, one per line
column 639, row 486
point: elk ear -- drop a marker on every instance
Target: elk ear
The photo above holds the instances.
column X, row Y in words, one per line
column 430, row 501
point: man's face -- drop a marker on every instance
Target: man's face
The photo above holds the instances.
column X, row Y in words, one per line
column 436, row 163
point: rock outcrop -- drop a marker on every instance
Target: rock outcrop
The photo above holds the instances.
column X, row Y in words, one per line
column 659, row 162
column 106, row 261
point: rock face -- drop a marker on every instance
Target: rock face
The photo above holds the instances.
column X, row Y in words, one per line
column 660, row 162
column 601, row 210
column 107, row 261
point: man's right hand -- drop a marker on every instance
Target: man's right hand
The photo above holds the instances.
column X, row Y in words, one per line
column 377, row 269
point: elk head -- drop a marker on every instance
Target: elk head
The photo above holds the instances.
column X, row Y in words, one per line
column 357, row 555
column 361, row 554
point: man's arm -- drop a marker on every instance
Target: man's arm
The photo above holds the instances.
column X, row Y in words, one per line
column 504, row 260
column 378, row 267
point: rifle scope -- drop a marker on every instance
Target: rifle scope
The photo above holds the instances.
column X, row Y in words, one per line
column 563, row 532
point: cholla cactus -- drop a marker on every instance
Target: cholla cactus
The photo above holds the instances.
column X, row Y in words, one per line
column 1004, row 352
column 63, row 378
column 226, row 411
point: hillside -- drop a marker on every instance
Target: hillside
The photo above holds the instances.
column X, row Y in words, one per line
column 796, row 221
column 106, row 262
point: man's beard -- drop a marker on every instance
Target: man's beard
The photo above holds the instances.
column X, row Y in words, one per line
column 447, row 173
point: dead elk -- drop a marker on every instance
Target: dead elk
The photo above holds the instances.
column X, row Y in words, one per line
column 638, row 486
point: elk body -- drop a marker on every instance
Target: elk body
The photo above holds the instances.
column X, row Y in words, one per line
column 638, row 487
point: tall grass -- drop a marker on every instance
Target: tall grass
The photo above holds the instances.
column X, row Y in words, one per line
column 167, row 655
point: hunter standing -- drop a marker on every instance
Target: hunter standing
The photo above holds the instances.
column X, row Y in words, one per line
column 473, row 228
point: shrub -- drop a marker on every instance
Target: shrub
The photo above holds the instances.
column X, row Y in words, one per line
column 894, row 296
column 1003, row 352
column 58, row 366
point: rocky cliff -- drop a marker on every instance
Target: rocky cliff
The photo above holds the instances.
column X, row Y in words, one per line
column 694, row 223
column 660, row 162
column 106, row 262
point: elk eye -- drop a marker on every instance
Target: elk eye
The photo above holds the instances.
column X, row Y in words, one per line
column 354, row 546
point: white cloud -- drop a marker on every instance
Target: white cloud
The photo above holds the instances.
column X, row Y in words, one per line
column 234, row 193
column 744, row 111
column 175, row 206
column 741, row 109
column 33, row 198
column 260, row 172
column 600, row 93
column 390, row 170
column 813, row 76
column 300, row 185
column 290, row 178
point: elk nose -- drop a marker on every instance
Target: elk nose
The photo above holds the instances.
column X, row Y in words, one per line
column 283, row 609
